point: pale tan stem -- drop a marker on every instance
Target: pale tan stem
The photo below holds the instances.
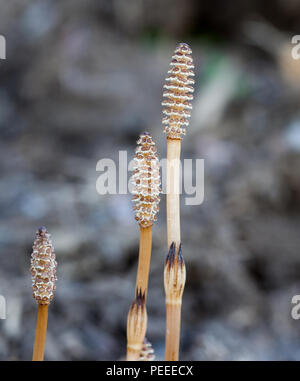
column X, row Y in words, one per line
column 173, row 311
column 136, row 327
column 133, row 353
column 40, row 333
column 173, row 191
column 144, row 259
column 137, row 317
column 173, row 316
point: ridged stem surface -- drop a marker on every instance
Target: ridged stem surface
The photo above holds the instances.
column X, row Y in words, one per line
column 133, row 352
column 173, row 317
column 136, row 327
column 173, row 311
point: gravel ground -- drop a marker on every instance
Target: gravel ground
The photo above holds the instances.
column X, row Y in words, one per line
column 81, row 81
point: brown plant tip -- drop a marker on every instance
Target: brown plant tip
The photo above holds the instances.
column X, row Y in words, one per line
column 178, row 91
column 43, row 267
column 137, row 321
column 171, row 255
column 147, row 352
column 170, row 260
column 146, row 181
column 174, row 275
column 140, row 298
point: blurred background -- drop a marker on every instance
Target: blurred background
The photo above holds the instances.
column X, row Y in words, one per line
column 81, row 80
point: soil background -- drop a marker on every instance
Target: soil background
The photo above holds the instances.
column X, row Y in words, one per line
column 81, row 80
